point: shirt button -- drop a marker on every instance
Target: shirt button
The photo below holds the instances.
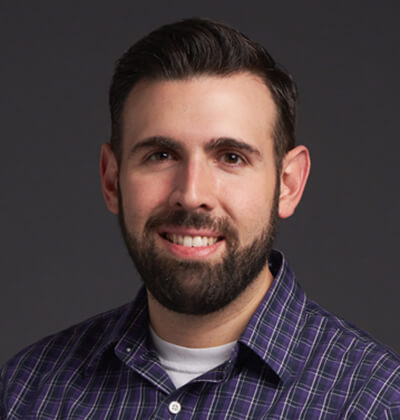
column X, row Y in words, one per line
column 174, row 407
column 128, row 349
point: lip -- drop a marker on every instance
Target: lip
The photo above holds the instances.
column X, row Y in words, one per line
column 184, row 252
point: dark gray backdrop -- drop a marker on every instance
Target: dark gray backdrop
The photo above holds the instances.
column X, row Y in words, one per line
column 62, row 259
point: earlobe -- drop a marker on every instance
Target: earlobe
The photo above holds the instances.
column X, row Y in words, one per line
column 109, row 177
column 295, row 170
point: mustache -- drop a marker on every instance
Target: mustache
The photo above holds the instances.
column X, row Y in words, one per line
column 196, row 220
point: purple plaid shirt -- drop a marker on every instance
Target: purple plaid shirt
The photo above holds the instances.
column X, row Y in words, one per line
column 293, row 361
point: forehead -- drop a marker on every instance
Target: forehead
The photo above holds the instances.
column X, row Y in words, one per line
column 200, row 108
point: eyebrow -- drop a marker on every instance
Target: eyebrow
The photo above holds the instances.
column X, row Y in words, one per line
column 156, row 141
column 228, row 142
column 212, row 145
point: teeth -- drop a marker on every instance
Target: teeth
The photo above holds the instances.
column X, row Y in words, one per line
column 192, row 241
column 187, row 241
column 197, row 241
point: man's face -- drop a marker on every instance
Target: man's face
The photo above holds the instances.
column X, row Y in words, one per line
column 198, row 191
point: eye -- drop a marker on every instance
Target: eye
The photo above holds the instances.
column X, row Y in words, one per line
column 232, row 159
column 160, row 156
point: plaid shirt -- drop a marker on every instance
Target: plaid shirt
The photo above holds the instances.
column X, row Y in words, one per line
column 293, row 361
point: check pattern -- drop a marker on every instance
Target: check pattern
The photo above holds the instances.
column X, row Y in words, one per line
column 293, row 361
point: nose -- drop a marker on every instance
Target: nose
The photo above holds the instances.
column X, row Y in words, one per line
column 194, row 186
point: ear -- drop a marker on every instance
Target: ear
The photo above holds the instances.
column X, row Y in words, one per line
column 295, row 169
column 109, row 177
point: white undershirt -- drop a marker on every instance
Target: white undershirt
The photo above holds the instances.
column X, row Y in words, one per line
column 184, row 364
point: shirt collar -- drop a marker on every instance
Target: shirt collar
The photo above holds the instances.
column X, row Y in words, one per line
column 272, row 330
column 130, row 320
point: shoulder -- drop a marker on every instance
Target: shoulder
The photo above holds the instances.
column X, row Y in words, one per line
column 361, row 365
column 67, row 350
column 344, row 333
column 86, row 333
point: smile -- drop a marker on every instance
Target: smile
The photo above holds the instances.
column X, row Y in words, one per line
column 191, row 241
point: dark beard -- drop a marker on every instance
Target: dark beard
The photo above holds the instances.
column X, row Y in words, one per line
column 196, row 287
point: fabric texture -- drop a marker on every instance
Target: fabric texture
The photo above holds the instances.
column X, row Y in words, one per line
column 293, row 361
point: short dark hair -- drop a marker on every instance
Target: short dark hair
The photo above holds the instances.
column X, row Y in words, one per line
column 194, row 47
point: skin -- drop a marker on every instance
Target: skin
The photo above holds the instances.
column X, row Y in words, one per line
column 198, row 169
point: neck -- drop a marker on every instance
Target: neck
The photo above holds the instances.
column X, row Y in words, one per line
column 217, row 328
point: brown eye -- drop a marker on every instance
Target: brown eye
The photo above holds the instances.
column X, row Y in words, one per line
column 232, row 159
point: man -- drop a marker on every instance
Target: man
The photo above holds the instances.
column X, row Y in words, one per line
column 201, row 164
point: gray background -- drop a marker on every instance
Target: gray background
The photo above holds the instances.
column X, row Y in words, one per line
column 62, row 259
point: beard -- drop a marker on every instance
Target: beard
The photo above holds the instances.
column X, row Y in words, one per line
column 198, row 287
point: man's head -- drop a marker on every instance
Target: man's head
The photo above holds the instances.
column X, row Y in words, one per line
column 199, row 168
column 195, row 47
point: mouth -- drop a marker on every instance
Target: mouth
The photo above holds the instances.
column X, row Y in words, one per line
column 191, row 241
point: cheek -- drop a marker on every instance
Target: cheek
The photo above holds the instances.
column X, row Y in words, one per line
column 249, row 206
column 141, row 196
